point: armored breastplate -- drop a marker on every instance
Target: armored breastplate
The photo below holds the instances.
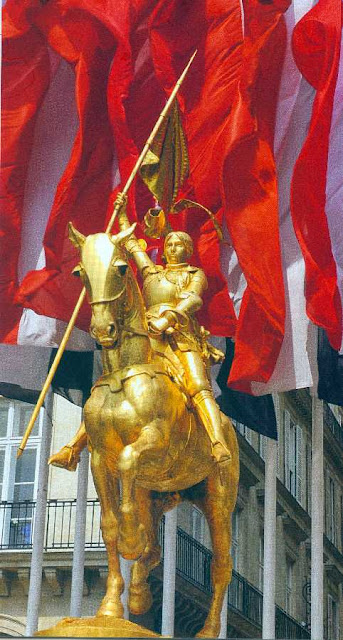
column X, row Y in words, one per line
column 164, row 287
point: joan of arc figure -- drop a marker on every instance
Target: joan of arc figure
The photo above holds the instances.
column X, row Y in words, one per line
column 172, row 295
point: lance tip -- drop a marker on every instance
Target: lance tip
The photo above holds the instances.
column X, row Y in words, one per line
column 19, row 452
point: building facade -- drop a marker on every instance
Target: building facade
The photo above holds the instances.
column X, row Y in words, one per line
column 18, row 491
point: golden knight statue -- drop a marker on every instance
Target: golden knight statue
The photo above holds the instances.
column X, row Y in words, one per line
column 154, row 431
column 172, row 296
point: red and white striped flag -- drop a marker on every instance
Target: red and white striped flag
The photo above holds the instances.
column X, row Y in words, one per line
column 83, row 86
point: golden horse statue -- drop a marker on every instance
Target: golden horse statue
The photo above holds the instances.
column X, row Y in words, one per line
column 143, row 434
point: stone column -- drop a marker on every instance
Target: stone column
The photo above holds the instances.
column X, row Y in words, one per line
column 35, row 586
column 268, row 618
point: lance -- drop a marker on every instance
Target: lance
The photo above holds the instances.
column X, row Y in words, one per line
column 79, row 303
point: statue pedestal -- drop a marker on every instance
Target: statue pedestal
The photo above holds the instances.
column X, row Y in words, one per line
column 101, row 627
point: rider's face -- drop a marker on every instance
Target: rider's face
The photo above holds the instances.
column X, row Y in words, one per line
column 175, row 250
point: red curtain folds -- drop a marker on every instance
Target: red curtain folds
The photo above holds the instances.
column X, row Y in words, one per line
column 316, row 48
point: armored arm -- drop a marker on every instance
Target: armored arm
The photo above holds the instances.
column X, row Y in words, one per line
column 132, row 245
column 190, row 300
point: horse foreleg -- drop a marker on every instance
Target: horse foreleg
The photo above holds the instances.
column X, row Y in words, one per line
column 150, row 512
column 149, row 445
column 217, row 506
column 107, row 488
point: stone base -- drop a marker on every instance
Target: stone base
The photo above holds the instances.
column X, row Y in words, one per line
column 101, row 627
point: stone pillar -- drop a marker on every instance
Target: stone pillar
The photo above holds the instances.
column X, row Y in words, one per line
column 268, row 619
column 317, row 520
column 35, row 587
column 79, row 537
column 169, row 573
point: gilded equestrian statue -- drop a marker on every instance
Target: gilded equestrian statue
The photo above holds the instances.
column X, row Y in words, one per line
column 151, row 421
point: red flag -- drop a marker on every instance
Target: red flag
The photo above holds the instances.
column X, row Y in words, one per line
column 83, row 191
column 134, row 53
column 229, row 126
column 250, row 196
column 25, row 79
column 316, row 46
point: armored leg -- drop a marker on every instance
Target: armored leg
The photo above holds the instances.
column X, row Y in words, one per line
column 200, row 390
column 209, row 414
column 68, row 457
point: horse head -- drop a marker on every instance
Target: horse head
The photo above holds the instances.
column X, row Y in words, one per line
column 103, row 269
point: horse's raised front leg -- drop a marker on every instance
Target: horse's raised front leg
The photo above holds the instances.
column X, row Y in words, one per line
column 107, row 488
column 217, row 505
column 149, row 445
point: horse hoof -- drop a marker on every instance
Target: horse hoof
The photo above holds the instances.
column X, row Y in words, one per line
column 110, row 607
column 140, row 599
column 209, row 631
column 132, row 547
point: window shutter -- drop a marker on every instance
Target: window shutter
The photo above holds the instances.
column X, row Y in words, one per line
column 287, row 448
column 299, row 490
column 327, row 503
column 276, row 401
column 248, row 435
column 2, row 467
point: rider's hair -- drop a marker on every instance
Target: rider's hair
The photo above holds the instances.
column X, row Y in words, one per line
column 185, row 239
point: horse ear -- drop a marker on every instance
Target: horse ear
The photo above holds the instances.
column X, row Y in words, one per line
column 77, row 238
column 124, row 235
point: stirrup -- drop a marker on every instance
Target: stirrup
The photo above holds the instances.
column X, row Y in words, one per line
column 66, row 458
column 220, row 452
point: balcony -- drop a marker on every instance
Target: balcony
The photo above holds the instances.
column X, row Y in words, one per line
column 193, row 560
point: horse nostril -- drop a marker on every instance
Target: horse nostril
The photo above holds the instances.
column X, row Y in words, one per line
column 111, row 329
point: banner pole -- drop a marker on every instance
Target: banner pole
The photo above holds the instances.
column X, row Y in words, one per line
column 79, row 303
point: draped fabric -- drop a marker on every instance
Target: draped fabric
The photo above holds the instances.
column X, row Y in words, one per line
column 318, row 224
column 84, row 83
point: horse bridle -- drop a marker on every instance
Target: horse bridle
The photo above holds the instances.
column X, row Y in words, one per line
column 123, row 326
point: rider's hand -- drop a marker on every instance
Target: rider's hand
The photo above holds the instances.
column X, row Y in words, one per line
column 158, row 325
column 121, row 200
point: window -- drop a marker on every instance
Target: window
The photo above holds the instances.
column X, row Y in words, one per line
column 293, row 458
column 235, row 539
column 18, row 477
column 289, row 586
column 333, row 628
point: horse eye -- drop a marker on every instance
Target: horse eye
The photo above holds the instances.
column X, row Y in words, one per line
column 122, row 269
column 121, row 266
column 77, row 270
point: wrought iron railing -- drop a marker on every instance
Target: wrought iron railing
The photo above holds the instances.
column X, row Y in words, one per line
column 287, row 627
column 17, row 524
column 193, row 560
column 246, row 599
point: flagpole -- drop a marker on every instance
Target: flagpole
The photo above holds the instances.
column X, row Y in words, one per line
column 80, row 301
